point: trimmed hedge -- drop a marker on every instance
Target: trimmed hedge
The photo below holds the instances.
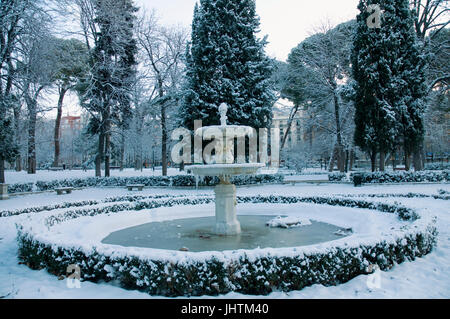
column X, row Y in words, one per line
column 437, row 166
column 155, row 181
column 394, row 177
column 20, row 188
column 337, row 177
column 441, row 195
column 247, row 275
column 243, row 272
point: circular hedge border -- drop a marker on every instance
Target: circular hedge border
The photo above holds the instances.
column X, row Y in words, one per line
column 259, row 271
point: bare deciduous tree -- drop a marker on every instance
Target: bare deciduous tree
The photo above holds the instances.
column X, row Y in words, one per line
column 163, row 52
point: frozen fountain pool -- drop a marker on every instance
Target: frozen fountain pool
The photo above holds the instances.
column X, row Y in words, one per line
column 197, row 235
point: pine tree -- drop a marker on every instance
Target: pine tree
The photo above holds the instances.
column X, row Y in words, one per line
column 388, row 70
column 226, row 63
column 127, row 73
column 8, row 149
column 410, row 84
column 375, row 127
column 106, row 94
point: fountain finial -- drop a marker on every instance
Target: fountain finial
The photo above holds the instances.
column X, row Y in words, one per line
column 223, row 109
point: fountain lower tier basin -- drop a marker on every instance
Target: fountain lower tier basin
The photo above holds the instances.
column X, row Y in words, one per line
column 197, row 235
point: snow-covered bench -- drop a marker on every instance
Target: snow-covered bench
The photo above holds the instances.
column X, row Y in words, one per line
column 53, row 169
column 140, row 187
column 61, row 190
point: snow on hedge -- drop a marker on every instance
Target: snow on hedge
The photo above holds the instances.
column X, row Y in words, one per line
column 149, row 181
column 288, row 222
column 158, row 181
column 393, row 177
column 258, row 271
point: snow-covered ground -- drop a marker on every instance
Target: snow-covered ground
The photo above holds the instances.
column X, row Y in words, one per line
column 423, row 278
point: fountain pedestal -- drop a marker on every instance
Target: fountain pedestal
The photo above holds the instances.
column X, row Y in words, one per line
column 226, row 220
column 227, row 223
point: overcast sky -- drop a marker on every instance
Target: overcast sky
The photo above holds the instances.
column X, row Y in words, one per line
column 286, row 22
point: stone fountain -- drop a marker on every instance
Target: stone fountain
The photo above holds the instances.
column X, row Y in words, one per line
column 260, row 228
column 222, row 165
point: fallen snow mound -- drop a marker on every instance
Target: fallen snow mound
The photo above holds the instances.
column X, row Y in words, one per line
column 288, row 222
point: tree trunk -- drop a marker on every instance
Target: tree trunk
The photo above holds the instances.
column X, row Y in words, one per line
column 2, row 160
column 347, row 159
column 310, row 132
column 352, row 159
column 138, row 160
column 373, row 161
column 138, row 146
column 100, row 151
column 407, row 161
column 382, row 160
column 289, row 125
column 418, row 158
column 394, row 163
column 164, row 140
column 331, row 163
column 2, row 171
column 340, row 147
column 31, row 155
column 122, row 150
column 107, row 154
column 18, row 165
column 108, row 150
column 341, row 159
column 62, row 93
column 332, row 159
column 16, row 109
column 31, row 102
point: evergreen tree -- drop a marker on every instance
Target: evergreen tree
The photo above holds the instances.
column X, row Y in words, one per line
column 106, row 94
column 8, row 149
column 226, row 63
column 410, row 85
column 388, row 71
column 375, row 127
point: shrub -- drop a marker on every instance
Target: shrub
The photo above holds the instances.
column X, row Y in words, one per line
column 437, row 166
column 337, row 177
column 155, row 181
column 404, row 177
column 394, row 177
column 20, row 188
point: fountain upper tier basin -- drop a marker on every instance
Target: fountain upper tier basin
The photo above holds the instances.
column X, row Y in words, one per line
column 225, row 169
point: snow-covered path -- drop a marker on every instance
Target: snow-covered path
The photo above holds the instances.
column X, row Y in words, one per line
column 424, row 278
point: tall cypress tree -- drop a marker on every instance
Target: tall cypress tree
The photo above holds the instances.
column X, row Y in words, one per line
column 409, row 86
column 375, row 127
column 388, row 71
column 226, row 63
